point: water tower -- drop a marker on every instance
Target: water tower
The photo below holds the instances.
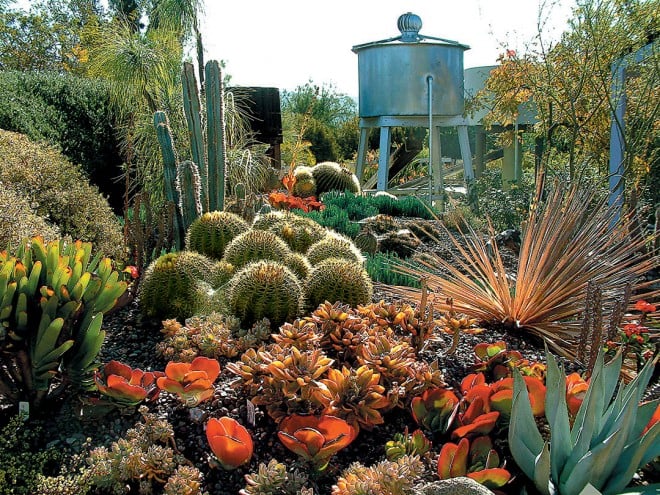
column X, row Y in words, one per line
column 411, row 80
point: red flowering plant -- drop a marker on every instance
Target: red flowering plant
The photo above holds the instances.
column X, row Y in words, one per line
column 285, row 201
column 191, row 382
column 230, row 442
column 476, row 459
column 126, row 387
column 635, row 339
column 315, row 438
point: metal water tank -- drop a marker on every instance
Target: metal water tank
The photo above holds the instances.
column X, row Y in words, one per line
column 394, row 74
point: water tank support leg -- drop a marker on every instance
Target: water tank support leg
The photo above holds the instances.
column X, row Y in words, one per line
column 466, row 153
column 384, row 157
column 362, row 153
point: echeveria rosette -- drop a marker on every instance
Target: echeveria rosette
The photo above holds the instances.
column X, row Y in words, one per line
column 315, row 438
column 230, row 442
column 191, row 382
column 126, row 386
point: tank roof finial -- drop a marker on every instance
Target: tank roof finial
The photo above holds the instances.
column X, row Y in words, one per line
column 409, row 24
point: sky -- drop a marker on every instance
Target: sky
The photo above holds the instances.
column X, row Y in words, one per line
column 287, row 43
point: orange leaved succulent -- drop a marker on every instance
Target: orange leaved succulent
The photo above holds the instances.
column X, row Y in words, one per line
column 192, row 382
column 230, row 442
column 315, row 438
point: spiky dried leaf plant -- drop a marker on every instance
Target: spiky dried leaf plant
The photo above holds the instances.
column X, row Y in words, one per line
column 569, row 239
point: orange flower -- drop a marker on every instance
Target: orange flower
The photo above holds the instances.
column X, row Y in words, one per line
column 315, row 438
column 192, row 382
column 645, row 307
column 576, row 389
column 126, row 386
column 230, row 442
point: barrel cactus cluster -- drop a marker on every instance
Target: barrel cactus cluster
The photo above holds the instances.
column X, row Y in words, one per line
column 331, row 176
column 280, row 266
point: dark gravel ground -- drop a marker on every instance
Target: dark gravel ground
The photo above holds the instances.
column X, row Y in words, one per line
column 133, row 341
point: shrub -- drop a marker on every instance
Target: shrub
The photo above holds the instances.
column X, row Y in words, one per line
column 18, row 220
column 60, row 193
column 69, row 112
column 505, row 209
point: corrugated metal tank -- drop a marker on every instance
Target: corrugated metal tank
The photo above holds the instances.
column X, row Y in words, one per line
column 394, row 74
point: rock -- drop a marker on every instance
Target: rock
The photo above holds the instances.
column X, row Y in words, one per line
column 453, row 486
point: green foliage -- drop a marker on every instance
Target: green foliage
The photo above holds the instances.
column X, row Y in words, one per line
column 59, row 193
column 334, row 246
column 264, row 289
column 330, row 176
column 210, row 233
column 274, row 478
column 176, row 285
column 336, row 279
column 23, row 457
column 506, row 209
column 605, row 444
column 255, row 245
column 298, row 231
column 52, row 300
column 70, row 113
column 334, row 218
column 381, row 267
column 359, row 207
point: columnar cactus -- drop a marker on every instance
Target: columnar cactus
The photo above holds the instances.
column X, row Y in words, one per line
column 210, row 172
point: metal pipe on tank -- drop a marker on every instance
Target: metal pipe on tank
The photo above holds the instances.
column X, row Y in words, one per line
column 429, row 83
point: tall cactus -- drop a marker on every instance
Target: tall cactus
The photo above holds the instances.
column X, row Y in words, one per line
column 208, row 171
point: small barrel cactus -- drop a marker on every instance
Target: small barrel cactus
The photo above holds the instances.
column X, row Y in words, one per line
column 255, row 245
column 335, row 280
column 210, row 233
column 305, row 185
column 298, row 264
column 367, row 242
column 222, row 272
column 331, row 176
column 172, row 287
column 298, row 232
column 264, row 289
column 334, row 245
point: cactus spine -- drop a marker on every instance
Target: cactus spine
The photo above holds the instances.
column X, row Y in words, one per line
column 212, row 171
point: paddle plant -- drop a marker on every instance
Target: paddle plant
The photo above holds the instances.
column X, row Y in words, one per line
column 230, row 442
column 127, row 387
column 191, row 382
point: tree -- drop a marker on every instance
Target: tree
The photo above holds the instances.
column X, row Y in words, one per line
column 571, row 84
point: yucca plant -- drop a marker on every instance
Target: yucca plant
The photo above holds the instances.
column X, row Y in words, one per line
column 570, row 239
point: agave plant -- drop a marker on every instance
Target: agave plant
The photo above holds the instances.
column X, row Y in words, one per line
column 569, row 239
column 612, row 435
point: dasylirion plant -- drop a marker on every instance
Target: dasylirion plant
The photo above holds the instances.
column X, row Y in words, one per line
column 610, row 437
column 335, row 280
column 52, row 300
column 331, row 176
column 264, row 289
column 210, row 233
column 207, row 171
column 176, row 285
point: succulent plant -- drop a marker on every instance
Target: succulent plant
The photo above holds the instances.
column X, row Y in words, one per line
column 331, row 176
column 264, row 289
column 297, row 231
column 191, row 382
column 255, row 245
column 298, row 264
column 405, row 443
column 334, row 245
column 173, row 286
column 230, row 442
column 336, row 280
column 52, row 300
column 222, row 273
column 305, row 185
column 367, row 242
column 476, row 460
column 210, row 233
column 611, row 437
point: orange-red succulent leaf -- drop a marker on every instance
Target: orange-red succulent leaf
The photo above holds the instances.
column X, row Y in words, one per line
column 482, row 425
column 491, row 478
column 230, row 442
